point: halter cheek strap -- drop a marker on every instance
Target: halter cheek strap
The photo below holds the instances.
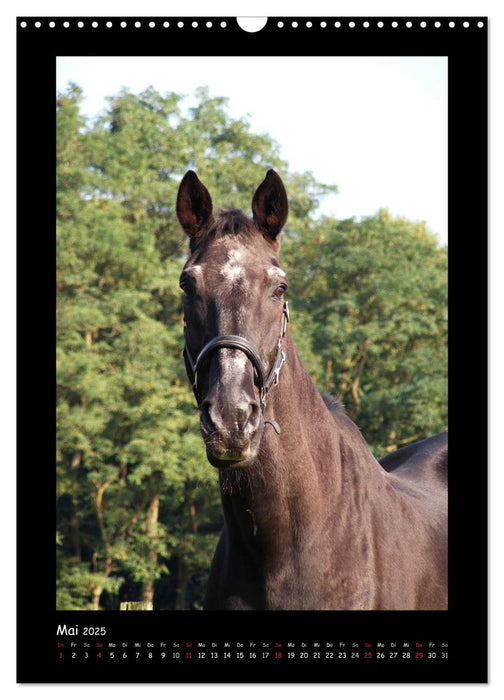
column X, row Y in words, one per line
column 236, row 342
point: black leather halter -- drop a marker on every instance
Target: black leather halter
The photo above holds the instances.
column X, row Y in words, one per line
column 236, row 342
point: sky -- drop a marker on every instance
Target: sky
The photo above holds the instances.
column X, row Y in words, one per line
column 374, row 126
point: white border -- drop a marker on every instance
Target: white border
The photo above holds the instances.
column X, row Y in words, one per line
column 492, row 8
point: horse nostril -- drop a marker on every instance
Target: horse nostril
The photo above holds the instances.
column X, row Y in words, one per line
column 206, row 418
column 253, row 415
column 244, row 417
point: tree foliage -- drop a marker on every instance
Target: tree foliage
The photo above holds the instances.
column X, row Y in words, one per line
column 138, row 507
column 373, row 294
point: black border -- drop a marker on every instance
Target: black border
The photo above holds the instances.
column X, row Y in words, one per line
column 464, row 625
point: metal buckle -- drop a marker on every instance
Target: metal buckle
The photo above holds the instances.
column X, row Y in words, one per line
column 277, row 369
column 285, row 318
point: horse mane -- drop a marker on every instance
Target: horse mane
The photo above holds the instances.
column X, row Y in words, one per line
column 232, row 222
column 334, row 405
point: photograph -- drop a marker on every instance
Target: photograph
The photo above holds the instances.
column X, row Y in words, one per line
column 315, row 340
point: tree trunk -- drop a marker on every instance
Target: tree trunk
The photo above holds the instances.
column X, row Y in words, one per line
column 98, row 590
column 183, row 575
column 152, row 520
column 96, row 597
column 182, row 583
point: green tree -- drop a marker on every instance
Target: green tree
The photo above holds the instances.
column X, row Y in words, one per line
column 373, row 298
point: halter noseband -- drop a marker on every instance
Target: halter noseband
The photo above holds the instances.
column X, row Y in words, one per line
column 236, row 342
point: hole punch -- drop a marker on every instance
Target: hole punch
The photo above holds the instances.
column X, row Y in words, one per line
column 252, row 24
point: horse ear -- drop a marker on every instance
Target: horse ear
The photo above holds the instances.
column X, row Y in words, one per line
column 270, row 207
column 194, row 207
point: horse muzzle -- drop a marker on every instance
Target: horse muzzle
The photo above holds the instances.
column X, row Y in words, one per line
column 231, row 432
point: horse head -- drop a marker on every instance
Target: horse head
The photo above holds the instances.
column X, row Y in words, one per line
column 235, row 314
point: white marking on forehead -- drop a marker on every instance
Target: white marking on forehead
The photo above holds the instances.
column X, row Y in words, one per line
column 231, row 273
column 236, row 255
column 233, row 270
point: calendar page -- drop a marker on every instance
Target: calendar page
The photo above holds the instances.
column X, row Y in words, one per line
column 269, row 243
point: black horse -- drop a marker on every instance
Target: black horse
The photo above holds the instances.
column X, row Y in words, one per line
column 311, row 519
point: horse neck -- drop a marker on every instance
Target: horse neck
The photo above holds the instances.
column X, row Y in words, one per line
column 301, row 473
column 310, row 432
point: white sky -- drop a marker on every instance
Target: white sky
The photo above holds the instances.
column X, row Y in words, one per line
column 376, row 127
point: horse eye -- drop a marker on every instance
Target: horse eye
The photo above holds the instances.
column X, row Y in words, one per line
column 280, row 290
column 186, row 286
